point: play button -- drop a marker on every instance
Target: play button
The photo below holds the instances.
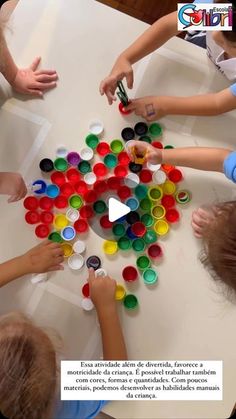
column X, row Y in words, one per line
column 116, row 210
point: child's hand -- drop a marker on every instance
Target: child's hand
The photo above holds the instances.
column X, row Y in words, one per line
column 102, row 291
column 150, row 153
column 121, row 69
column 45, row 257
column 150, row 107
column 32, row 82
column 12, row 184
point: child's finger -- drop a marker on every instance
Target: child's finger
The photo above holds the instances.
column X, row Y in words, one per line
column 12, row 198
column 48, row 72
column 45, row 78
column 35, row 63
column 46, row 86
column 130, row 79
column 91, row 275
column 35, row 92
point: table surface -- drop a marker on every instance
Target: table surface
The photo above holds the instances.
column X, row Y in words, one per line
column 185, row 316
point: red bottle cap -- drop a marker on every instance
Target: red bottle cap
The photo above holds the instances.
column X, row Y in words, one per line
column 73, row 175
column 167, row 167
column 157, row 144
column 85, row 290
column 105, row 223
column 130, row 273
column 168, row 201
column 58, row 178
column 86, row 212
column 120, row 171
column 46, row 217
column 100, row 186
column 31, row 203
column 172, row 215
column 81, row 187
column 138, row 229
column 124, row 192
column 61, row 202
column 175, row 175
column 100, row 170
column 32, row 217
column 123, row 110
column 103, row 149
column 81, row 226
column 42, row 231
column 155, row 251
column 145, row 176
column 90, row 196
column 113, row 182
column 123, row 158
column 67, row 189
column 46, row 203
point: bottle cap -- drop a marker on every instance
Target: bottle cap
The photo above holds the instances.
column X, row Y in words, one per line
column 155, row 130
column 72, row 215
column 99, row 207
column 158, row 211
column 55, row 237
column 138, row 229
column 96, row 127
column 132, row 217
column 81, row 226
column 42, row 231
column 155, row 251
column 67, row 249
column 130, row 273
column 68, row 233
column 85, row 290
column 73, row 175
column 61, row 151
column 120, row 292
column 124, row 192
column 46, row 217
column 110, row 247
column 60, row 221
column 118, row 230
column 84, row 167
column 131, row 180
column 31, row 203
column 67, row 189
column 150, row 276
column 130, row 302
column 52, row 191
column 76, row 262
column 120, row 171
column 32, row 217
column 79, row 246
column 145, row 176
column 46, row 165
column 128, row 134
column 132, row 203
column 172, row 215
column 87, row 304
column 100, row 170
column 161, row 227
column 86, row 212
column 124, row 243
column 76, row 201
column 61, row 202
column 138, row 245
column 159, row 177
column 58, row 178
column 143, row 262
column 140, row 129
column 90, row 178
column 150, row 237
column 73, row 158
column 116, row 146
column 92, row 141
column 169, row 188
column 60, row 164
column 155, row 193
column 110, row 161
column 123, row 158
column 87, row 154
column 93, row 262
column 147, row 220
column 46, row 203
column 141, row 191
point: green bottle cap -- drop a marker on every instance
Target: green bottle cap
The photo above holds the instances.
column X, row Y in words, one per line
column 155, row 130
column 145, row 204
column 150, row 276
column 76, row 201
column 147, row 220
column 55, row 237
column 84, row 167
column 60, row 164
column 124, row 243
column 130, row 302
column 99, row 207
column 92, row 141
column 138, row 245
column 143, row 262
column 118, row 230
column 110, row 161
column 141, row 191
column 146, row 139
column 150, row 237
column 117, row 146
column 168, row 146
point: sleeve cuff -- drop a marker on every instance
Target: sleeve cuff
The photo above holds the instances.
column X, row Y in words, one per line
column 233, row 89
column 230, row 166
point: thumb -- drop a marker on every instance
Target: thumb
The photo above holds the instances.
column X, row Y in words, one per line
column 35, row 63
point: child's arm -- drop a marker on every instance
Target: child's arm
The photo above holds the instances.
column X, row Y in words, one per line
column 45, row 257
column 28, row 81
column 201, row 158
column 12, row 184
column 202, row 105
column 102, row 292
column 155, row 36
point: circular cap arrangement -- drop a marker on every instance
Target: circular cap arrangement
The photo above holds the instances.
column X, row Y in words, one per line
column 79, row 184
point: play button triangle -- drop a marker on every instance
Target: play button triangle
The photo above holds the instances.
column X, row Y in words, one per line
column 116, row 209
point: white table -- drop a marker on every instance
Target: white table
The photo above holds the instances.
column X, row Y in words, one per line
column 184, row 317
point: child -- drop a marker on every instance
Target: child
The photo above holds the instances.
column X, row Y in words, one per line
column 28, row 81
column 216, row 224
column 28, row 361
column 222, row 51
column 45, row 257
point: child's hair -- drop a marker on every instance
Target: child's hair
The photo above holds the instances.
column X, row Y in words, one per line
column 230, row 35
column 219, row 246
column 28, row 370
